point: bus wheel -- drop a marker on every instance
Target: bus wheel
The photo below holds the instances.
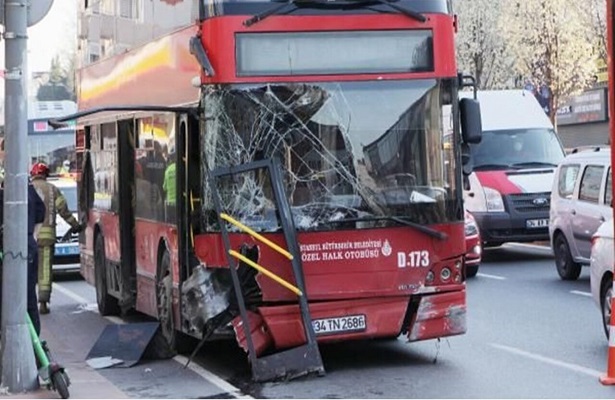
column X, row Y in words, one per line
column 107, row 304
column 164, row 302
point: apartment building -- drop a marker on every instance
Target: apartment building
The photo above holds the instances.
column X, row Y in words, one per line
column 109, row 27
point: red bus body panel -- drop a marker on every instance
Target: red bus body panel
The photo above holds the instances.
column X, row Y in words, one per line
column 346, row 272
column 218, row 36
column 137, row 76
column 367, row 267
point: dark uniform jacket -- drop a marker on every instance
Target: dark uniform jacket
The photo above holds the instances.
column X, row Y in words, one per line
column 36, row 214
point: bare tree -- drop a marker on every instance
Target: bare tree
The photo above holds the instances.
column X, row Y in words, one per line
column 597, row 15
column 548, row 39
column 481, row 49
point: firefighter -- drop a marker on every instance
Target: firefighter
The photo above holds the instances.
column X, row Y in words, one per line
column 55, row 203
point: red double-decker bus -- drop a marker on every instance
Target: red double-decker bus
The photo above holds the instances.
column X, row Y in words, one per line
column 288, row 172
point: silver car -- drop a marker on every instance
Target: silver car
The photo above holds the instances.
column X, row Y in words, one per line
column 580, row 202
column 601, row 271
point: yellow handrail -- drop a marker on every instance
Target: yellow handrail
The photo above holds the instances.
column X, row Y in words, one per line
column 255, row 235
column 266, row 272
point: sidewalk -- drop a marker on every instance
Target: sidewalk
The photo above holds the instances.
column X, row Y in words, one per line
column 85, row 383
column 69, row 347
column 73, row 328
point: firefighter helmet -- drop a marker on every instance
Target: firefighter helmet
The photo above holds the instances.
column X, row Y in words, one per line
column 40, row 169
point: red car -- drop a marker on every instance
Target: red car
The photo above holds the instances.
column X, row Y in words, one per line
column 474, row 248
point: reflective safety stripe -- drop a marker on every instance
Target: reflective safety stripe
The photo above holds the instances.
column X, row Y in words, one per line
column 44, row 273
column 46, row 236
column 60, row 202
column 611, row 336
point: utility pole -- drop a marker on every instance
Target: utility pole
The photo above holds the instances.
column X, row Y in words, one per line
column 19, row 372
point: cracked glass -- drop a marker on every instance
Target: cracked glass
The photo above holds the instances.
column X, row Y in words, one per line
column 349, row 151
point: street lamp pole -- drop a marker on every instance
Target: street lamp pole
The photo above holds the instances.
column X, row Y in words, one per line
column 19, row 372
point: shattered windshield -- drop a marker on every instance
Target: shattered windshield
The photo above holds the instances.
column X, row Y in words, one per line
column 348, row 150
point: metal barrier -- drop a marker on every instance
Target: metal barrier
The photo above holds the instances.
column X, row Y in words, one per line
column 288, row 363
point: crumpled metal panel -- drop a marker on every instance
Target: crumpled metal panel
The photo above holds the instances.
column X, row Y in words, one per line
column 439, row 315
column 203, row 298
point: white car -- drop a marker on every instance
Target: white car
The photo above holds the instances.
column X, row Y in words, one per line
column 66, row 254
column 601, row 271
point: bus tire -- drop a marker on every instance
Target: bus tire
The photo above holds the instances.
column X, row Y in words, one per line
column 165, row 340
column 107, row 304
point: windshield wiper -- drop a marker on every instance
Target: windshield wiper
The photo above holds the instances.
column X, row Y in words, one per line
column 404, row 10
column 421, row 228
column 534, row 163
column 332, row 3
column 274, row 10
column 493, row 166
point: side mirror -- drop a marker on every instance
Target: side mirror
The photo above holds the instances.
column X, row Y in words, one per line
column 471, row 127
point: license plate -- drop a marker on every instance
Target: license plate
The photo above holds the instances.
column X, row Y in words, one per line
column 537, row 223
column 349, row 323
column 66, row 250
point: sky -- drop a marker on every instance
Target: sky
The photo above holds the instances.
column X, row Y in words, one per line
column 54, row 34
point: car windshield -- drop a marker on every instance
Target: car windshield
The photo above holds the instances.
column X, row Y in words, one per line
column 70, row 193
column 518, row 148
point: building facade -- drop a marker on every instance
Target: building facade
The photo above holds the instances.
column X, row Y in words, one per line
column 109, row 27
column 583, row 120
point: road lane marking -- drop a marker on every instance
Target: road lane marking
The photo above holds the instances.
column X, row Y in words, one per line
column 547, row 360
column 214, row 379
column 580, row 293
column 70, row 293
column 200, row 371
column 496, row 277
column 531, row 246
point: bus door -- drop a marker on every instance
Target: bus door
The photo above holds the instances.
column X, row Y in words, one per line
column 188, row 191
column 125, row 182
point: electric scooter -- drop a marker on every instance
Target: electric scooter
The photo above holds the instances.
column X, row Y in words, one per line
column 52, row 374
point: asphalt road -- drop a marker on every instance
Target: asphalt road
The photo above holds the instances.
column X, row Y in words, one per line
column 530, row 335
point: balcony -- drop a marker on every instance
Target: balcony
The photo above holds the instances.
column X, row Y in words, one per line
column 89, row 26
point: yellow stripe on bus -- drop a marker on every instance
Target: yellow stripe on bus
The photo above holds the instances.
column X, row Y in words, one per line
column 255, row 235
column 266, row 272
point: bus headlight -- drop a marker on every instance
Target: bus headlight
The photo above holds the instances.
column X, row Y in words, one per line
column 495, row 203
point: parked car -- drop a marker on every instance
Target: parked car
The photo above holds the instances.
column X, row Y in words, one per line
column 580, row 201
column 66, row 254
column 601, row 271
column 474, row 247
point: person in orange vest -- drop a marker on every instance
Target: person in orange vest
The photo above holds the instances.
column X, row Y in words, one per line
column 54, row 203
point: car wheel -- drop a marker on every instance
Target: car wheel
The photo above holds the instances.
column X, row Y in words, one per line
column 567, row 269
column 606, row 293
column 107, row 304
column 471, row 270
